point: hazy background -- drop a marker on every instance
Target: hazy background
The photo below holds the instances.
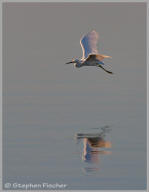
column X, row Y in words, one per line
column 45, row 102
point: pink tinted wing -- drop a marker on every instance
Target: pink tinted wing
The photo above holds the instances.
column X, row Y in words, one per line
column 89, row 44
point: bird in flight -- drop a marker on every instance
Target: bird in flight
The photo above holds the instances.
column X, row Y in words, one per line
column 90, row 56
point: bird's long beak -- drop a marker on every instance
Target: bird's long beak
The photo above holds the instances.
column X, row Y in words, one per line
column 70, row 62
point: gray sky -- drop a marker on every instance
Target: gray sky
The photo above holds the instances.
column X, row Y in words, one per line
column 41, row 37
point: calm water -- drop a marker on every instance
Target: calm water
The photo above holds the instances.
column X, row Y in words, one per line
column 80, row 127
column 56, row 142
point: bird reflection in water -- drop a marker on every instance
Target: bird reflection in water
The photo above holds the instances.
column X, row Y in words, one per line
column 92, row 148
column 94, row 145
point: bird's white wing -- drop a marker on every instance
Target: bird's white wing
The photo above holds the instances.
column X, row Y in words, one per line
column 89, row 44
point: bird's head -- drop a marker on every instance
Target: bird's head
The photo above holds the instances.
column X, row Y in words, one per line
column 72, row 61
column 76, row 62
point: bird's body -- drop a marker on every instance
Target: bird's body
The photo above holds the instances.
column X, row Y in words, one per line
column 90, row 56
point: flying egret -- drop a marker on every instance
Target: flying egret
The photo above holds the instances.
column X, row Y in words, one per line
column 90, row 56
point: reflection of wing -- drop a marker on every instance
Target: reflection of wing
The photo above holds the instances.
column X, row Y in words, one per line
column 89, row 44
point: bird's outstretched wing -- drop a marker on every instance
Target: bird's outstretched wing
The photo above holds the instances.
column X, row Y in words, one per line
column 89, row 44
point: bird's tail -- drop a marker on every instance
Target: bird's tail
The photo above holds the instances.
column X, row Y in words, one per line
column 105, row 56
column 101, row 57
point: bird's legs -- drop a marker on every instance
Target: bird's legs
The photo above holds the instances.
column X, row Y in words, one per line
column 104, row 69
